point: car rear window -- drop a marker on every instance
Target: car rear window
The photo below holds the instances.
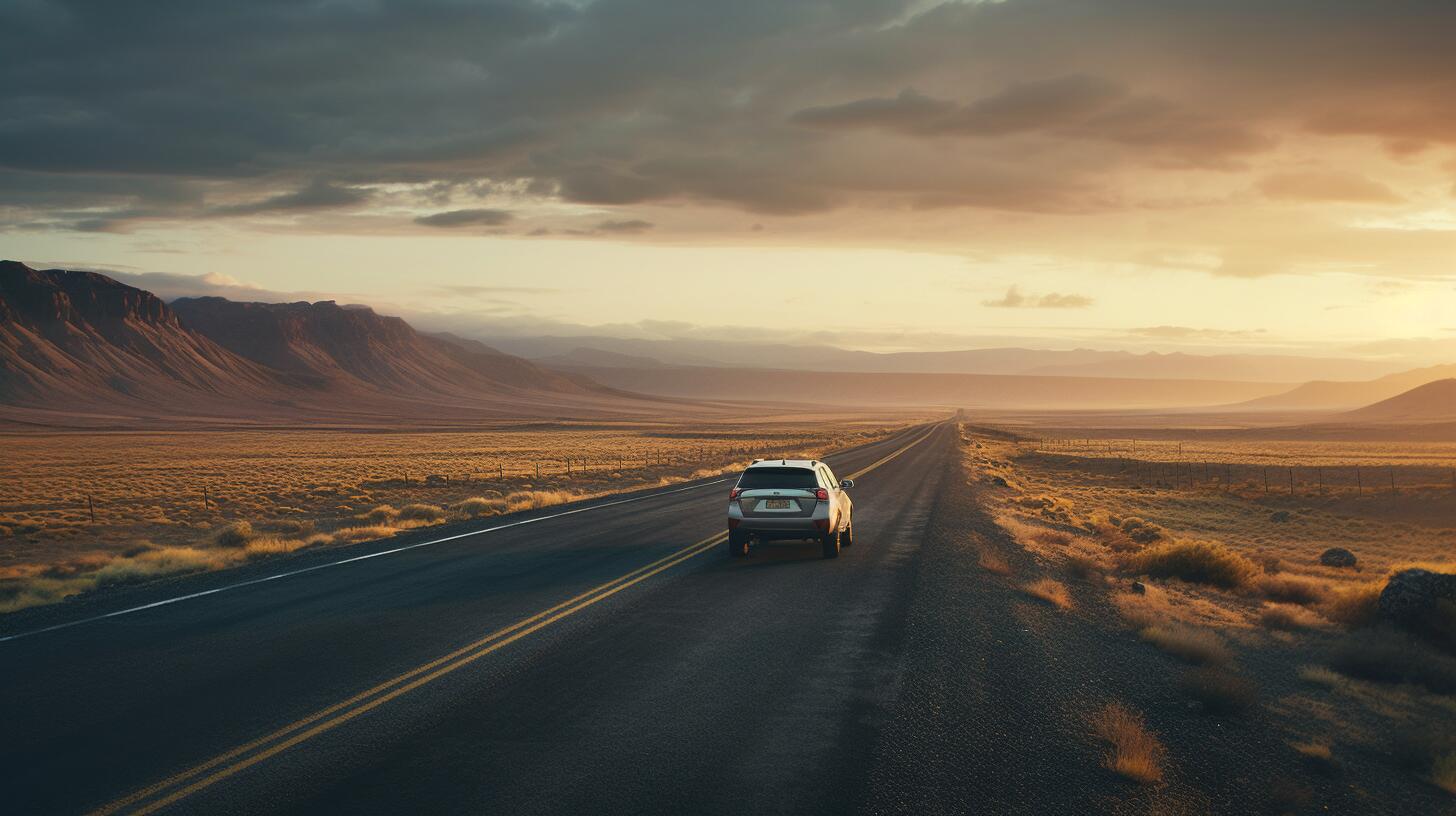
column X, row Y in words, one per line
column 797, row 478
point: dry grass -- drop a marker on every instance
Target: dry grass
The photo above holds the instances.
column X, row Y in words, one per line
column 1082, row 566
column 1134, row 751
column 1314, row 750
column 993, row 563
column 1321, row 676
column 1187, row 643
column 1198, row 562
column 1354, row 606
column 236, row 534
column 479, row 506
column 1287, row 618
column 1292, row 589
column 1218, row 690
column 1053, row 592
column 422, row 514
column 274, row 492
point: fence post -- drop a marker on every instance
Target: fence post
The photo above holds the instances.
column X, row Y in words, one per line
column 204, row 497
column 92, row 507
column 1391, row 471
column 1291, row 481
column 1359, row 483
column 538, row 469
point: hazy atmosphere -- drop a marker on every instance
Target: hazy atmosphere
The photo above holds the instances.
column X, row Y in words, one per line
column 1128, row 174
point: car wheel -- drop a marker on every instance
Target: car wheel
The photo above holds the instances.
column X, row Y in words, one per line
column 737, row 544
column 847, row 540
column 831, row 544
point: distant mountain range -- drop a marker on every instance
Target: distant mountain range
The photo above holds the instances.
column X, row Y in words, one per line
column 1340, row 396
column 82, row 348
column 79, row 348
column 1432, row 402
column 619, row 352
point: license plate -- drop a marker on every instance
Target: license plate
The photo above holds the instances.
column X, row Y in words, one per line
column 775, row 504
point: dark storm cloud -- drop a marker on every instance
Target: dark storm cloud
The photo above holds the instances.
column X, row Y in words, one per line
column 118, row 112
column 320, row 195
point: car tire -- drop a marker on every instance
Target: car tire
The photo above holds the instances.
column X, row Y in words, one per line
column 847, row 540
column 737, row 544
column 831, row 544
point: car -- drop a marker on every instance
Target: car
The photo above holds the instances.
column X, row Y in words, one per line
column 778, row 499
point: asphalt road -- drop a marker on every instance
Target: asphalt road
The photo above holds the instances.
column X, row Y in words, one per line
column 609, row 660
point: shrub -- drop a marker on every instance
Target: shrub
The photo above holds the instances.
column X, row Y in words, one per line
column 1140, row 531
column 1354, row 606
column 236, row 534
column 267, row 547
column 478, row 506
column 421, row 513
column 1291, row 589
column 532, row 499
column 1218, row 691
column 351, row 535
column 156, row 563
column 993, row 563
column 1082, row 566
column 1135, row 752
column 1199, row 562
column 1287, row 618
column 1192, row 645
column 382, row 514
column 1053, row 592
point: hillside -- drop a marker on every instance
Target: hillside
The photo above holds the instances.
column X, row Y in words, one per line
column 1337, row 396
column 994, row 391
column 82, row 340
column 81, row 349
column 334, row 347
column 1432, row 402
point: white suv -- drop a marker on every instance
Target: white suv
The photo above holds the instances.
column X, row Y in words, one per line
column 790, row 498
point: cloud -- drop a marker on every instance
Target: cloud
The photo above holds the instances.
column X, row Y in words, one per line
column 172, row 285
column 1325, row 186
column 319, row 195
column 486, row 291
column 466, row 218
column 629, row 227
column 1190, row 333
column 1015, row 299
column 1076, row 107
column 123, row 116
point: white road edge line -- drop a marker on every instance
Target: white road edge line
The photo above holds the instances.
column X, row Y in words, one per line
column 366, row 556
column 291, row 573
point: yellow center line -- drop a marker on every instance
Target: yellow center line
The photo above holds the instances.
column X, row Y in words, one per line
column 416, row 677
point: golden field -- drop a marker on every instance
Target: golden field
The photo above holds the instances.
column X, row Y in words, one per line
column 169, row 502
column 1226, row 580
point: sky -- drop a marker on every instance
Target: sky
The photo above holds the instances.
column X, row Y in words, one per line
column 1240, row 175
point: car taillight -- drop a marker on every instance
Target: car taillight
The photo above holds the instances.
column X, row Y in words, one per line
column 733, row 494
column 821, row 494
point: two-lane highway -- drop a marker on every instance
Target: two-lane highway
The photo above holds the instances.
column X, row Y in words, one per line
column 610, row 659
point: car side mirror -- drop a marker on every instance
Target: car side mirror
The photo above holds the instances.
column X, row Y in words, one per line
column 846, row 484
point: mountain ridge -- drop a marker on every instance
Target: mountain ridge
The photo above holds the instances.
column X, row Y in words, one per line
column 80, row 348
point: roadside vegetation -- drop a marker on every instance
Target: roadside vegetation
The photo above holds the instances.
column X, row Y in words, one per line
column 170, row 504
column 1271, row 603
